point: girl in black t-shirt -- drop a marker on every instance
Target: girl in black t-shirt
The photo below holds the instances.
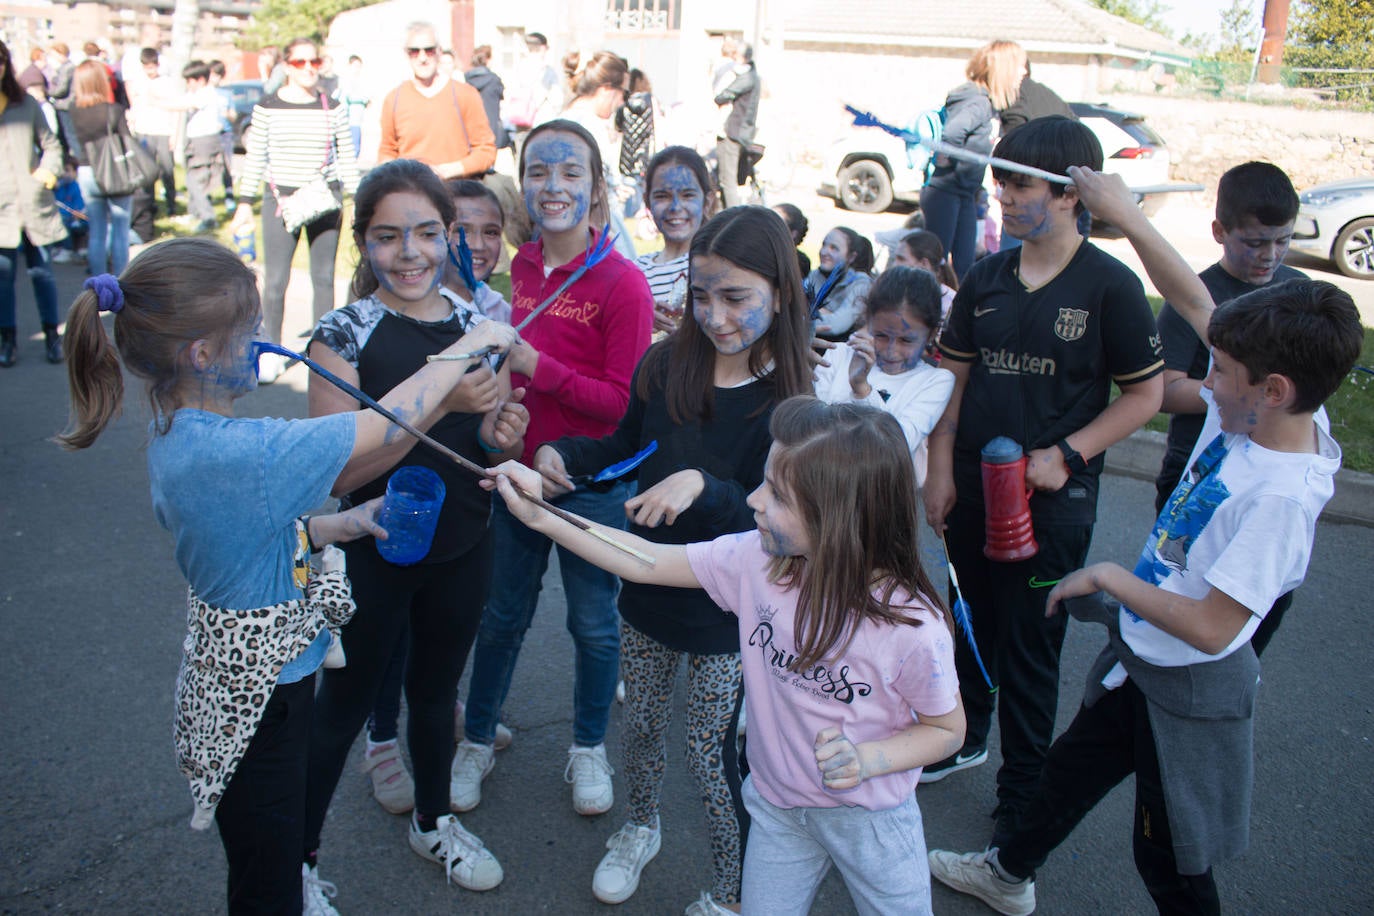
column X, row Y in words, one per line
column 741, row 350
column 402, row 315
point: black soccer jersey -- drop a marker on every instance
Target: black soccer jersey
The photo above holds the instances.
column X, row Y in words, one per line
column 1042, row 362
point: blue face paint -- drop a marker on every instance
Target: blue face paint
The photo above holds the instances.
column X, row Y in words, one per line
column 834, row 251
column 733, row 306
column 557, row 184
column 676, row 202
column 407, row 248
column 899, row 340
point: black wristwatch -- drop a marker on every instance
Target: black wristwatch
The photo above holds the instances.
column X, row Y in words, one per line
column 1072, row 460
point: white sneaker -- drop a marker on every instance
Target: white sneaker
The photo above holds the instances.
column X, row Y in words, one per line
column 976, row 874
column 464, row 857
column 316, row 893
column 503, row 736
column 471, row 764
column 590, row 775
column 631, row 848
column 705, row 906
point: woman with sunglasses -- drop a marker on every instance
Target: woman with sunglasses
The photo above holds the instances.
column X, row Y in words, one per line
column 299, row 134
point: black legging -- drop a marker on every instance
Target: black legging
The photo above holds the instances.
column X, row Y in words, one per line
column 445, row 603
column 279, row 247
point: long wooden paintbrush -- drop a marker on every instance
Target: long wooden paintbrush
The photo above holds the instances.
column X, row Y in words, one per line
column 266, row 347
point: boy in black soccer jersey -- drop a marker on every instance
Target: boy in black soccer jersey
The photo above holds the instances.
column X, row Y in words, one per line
column 1035, row 339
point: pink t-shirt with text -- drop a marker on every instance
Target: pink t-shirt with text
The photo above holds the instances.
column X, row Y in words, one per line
column 871, row 691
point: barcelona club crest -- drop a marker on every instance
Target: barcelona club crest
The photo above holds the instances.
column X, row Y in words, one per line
column 1071, row 324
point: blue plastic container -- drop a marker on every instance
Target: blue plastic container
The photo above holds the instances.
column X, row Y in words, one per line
column 246, row 243
column 410, row 513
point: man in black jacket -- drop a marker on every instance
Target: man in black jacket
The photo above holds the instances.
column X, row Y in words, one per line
column 743, row 95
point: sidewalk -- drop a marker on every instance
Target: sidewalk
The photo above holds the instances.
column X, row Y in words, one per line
column 1140, row 456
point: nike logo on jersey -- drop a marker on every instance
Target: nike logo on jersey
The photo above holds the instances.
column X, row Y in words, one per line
column 980, row 312
column 1037, row 582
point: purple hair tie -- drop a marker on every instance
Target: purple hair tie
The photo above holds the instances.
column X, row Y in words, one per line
column 108, row 296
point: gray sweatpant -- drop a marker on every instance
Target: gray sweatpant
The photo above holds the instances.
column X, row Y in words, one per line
column 880, row 854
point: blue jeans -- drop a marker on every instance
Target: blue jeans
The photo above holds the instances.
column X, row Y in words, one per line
column 40, row 274
column 522, row 556
column 954, row 218
column 108, row 218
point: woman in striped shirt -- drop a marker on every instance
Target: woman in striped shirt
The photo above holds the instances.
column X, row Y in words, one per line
column 298, row 134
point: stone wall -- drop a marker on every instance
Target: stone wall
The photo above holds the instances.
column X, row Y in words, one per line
column 1207, row 137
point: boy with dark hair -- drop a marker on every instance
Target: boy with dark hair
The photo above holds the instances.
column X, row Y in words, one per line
column 205, row 115
column 152, row 119
column 1171, row 697
column 1256, row 209
column 1035, row 338
column 226, row 132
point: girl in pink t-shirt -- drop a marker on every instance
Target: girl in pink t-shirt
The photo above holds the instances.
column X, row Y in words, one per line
column 848, row 656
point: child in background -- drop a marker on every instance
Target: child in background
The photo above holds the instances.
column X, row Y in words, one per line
column 226, row 133
column 847, row 654
column 922, row 248
column 206, row 112
column 576, row 360
column 797, row 225
column 883, row 364
column 836, row 288
column 704, row 395
column 401, row 316
column 680, row 197
column 233, row 493
column 1171, row 697
column 477, row 211
column 1256, row 209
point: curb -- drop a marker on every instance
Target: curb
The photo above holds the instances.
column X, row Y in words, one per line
column 1140, row 455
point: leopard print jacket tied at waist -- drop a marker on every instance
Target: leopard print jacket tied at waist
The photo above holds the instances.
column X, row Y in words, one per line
column 229, row 668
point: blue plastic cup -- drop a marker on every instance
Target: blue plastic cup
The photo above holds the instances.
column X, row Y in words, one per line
column 410, row 513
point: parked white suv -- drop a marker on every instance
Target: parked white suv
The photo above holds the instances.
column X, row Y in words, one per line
column 871, row 169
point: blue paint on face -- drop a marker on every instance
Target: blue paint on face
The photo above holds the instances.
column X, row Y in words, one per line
column 558, row 182
column 407, row 247
column 782, row 533
column 733, row 306
column 236, row 371
column 899, row 340
column 676, row 202
column 1252, row 251
column 834, row 251
column 1026, row 207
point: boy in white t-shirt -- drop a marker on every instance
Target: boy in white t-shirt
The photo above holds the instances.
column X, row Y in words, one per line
column 1172, row 695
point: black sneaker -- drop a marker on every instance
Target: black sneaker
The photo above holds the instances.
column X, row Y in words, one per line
column 1008, row 823
column 967, row 757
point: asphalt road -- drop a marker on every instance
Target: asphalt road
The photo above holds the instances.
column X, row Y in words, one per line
column 94, row 816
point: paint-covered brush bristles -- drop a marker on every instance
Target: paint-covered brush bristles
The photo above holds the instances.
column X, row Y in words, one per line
column 462, row 262
column 963, row 617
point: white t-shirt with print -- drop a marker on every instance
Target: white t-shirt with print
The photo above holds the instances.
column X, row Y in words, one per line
column 1241, row 521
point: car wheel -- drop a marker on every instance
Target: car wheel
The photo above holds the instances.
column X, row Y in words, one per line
column 865, row 187
column 1354, row 250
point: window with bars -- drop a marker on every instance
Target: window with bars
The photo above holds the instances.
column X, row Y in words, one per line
column 643, row 15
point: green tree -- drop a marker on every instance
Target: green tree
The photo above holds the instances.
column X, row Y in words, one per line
column 1333, row 23
column 278, row 21
column 1149, row 13
column 1239, row 30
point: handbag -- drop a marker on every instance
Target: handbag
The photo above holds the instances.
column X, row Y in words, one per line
column 118, row 162
column 312, row 200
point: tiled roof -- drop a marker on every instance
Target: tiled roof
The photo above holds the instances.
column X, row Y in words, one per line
column 1031, row 22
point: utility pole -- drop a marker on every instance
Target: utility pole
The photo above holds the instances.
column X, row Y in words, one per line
column 1275, row 32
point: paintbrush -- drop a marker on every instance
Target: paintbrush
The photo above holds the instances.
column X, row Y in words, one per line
column 963, row 617
column 267, row 347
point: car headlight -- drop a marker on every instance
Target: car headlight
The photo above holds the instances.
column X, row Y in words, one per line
column 1326, row 198
column 1305, row 227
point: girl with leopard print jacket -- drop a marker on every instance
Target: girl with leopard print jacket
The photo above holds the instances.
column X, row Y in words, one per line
column 232, row 492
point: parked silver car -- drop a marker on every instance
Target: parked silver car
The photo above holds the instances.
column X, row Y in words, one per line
column 1336, row 222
